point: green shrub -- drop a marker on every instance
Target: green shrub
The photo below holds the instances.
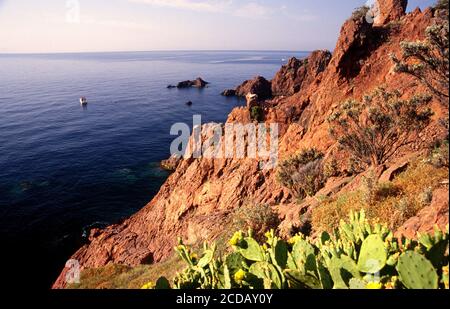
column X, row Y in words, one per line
column 428, row 60
column 257, row 113
column 256, row 217
column 375, row 129
column 331, row 168
column 360, row 12
column 357, row 256
column 441, row 5
column 355, row 166
column 440, row 155
column 303, row 174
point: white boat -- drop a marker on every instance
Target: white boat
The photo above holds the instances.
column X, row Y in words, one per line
column 83, row 101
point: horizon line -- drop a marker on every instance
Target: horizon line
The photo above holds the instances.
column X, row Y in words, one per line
column 156, row 50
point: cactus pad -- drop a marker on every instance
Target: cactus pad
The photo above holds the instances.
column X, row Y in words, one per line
column 251, row 250
column 416, row 272
column 373, row 255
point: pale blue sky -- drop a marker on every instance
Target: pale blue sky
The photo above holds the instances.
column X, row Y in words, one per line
column 137, row 25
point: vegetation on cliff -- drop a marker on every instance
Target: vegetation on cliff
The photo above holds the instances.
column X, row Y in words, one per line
column 428, row 60
column 389, row 202
column 303, row 173
column 376, row 128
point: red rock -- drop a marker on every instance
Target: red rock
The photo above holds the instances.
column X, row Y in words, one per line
column 259, row 86
column 434, row 215
column 171, row 163
column 355, row 34
column 390, row 10
column 299, row 73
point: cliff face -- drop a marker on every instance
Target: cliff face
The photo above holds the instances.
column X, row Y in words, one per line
column 299, row 74
column 197, row 200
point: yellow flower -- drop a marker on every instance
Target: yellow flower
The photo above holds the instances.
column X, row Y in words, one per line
column 445, row 270
column 194, row 256
column 374, row 285
column 294, row 239
column 235, row 239
column 148, row 286
column 239, row 276
column 264, row 246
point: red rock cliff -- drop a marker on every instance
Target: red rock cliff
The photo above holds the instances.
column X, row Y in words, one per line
column 198, row 198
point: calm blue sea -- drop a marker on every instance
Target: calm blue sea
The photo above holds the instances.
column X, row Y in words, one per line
column 65, row 168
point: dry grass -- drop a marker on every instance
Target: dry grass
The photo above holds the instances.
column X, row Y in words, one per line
column 259, row 218
column 389, row 203
column 124, row 277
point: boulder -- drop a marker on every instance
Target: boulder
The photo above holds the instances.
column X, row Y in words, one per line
column 259, row 86
column 392, row 172
column 389, row 10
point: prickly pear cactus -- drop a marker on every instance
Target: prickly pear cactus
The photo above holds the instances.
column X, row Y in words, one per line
column 235, row 261
column 299, row 280
column 267, row 273
column 416, row 272
column 226, row 278
column 357, row 284
column 373, row 255
column 435, row 247
column 250, row 249
column 303, row 255
column 342, row 270
column 206, row 259
column 356, row 256
column 162, row 284
column 281, row 253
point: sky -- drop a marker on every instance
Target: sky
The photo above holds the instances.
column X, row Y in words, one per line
column 47, row 26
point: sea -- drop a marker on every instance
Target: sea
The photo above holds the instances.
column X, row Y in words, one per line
column 66, row 168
